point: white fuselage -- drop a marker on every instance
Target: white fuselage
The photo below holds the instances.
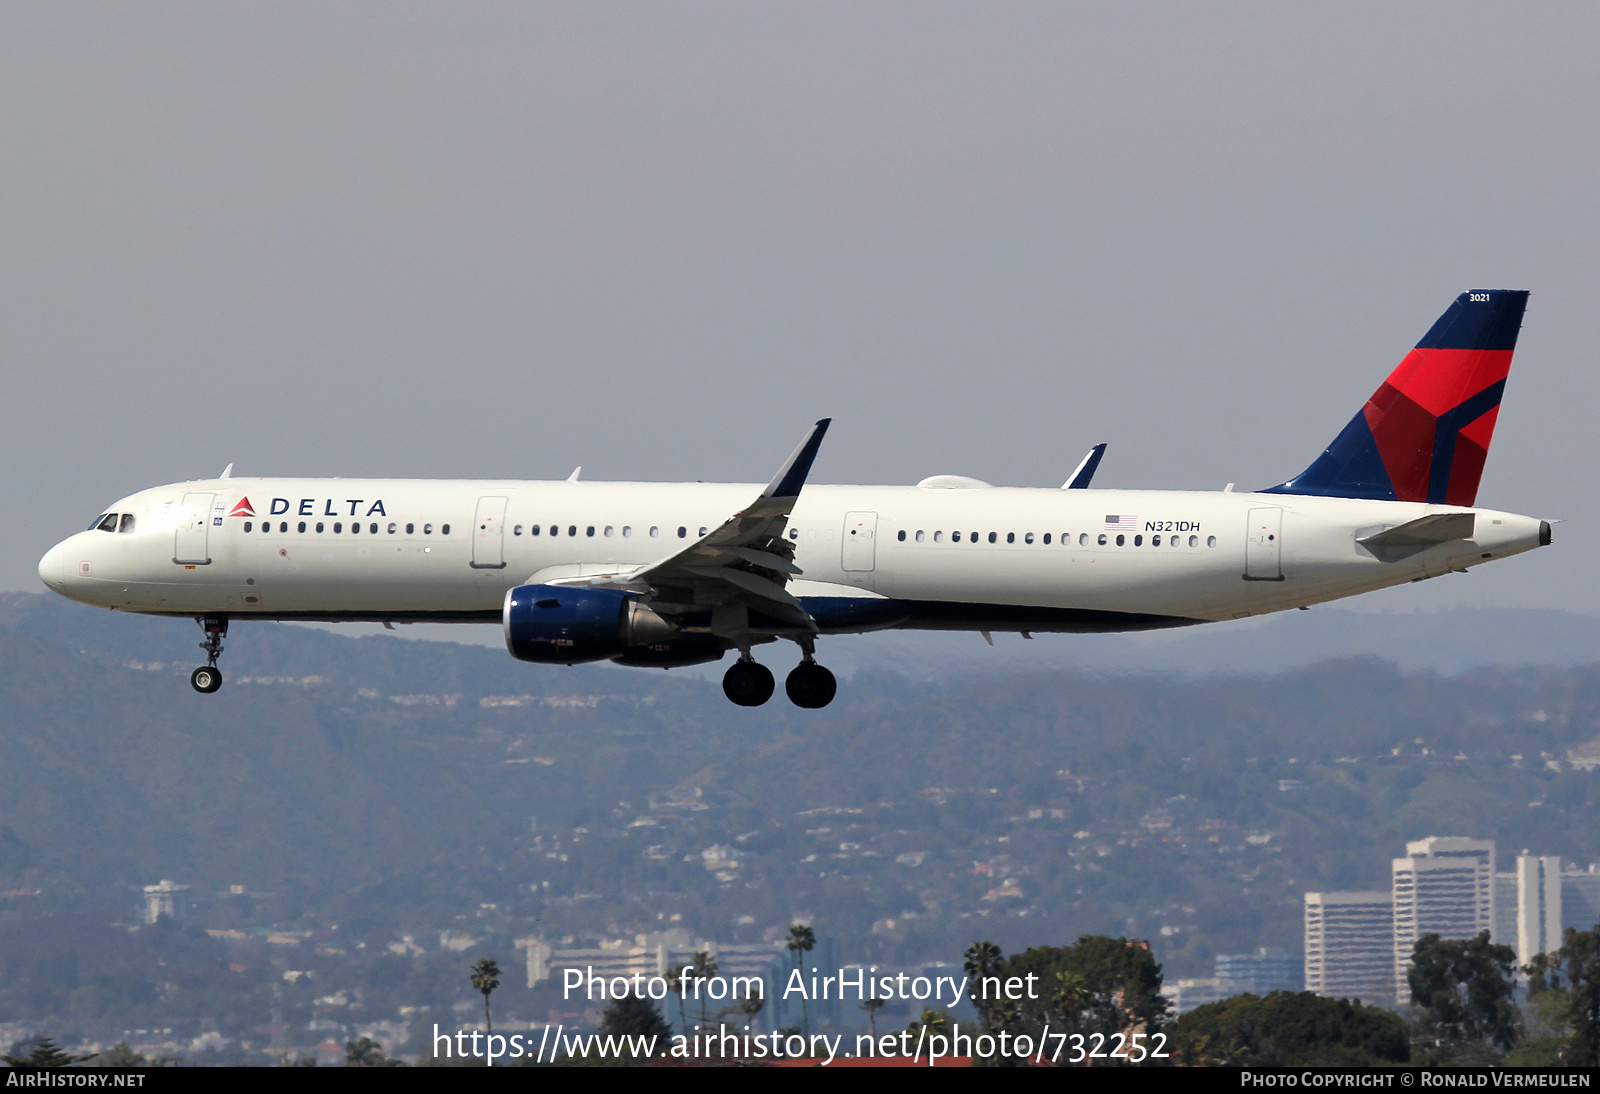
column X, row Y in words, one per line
column 1041, row 560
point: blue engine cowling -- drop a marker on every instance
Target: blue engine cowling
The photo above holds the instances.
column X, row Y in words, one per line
column 558, row 625
column 562, row 626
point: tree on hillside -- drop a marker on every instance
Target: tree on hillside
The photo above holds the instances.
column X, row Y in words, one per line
column 366, row 1052
column 44, row 1052
column 485, row 978
column 872, row 1007
column 634, row 1016
column 1289, row 1029
column 980, row 962
column 1564, row 995
column 1462, row 995
column 802, row 940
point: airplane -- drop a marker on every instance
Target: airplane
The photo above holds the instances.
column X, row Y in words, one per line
column 675, row 574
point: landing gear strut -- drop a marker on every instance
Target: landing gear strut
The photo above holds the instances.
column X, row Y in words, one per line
column 208, row 678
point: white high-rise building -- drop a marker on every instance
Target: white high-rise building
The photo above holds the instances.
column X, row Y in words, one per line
column 1505, row 909
column 1580, row 898
column 1350, row 945
column 1538, row 906
column 1444, row 886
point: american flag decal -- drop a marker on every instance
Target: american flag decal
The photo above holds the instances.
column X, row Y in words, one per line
column 1121, row 522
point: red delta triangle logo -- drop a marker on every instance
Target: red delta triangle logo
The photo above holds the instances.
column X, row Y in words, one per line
column 243, row 509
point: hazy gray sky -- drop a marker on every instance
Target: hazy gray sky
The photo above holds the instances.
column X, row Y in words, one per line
column 455, row 240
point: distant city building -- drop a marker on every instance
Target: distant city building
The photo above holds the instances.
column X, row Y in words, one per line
column 1505, row 908
column 1266, row 970
column 1538, row 906
column 652, row 954
column 166, row 899
column 1444, row 886
column 1580, row 898
column 1198, row 991
column 1350, row 945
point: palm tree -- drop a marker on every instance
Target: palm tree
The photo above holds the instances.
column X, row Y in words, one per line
column 702, row 967
column 802, row 940
column 485, row 978
column 872, row 1007
column 677, row 975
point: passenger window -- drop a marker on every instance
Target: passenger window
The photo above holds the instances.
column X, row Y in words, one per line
column 303, row 526
column 533, row 529
column 1083, row 539
column 1028, row 538
column 127, row 523
column 682, row 532
column 1138, row 541
column 919, row 535
column 1047, row 539
column 1194, row 541
column 319, row 526
column 655, row 530
column 248, row 526
column 608, row 530
column 902, row 535
column 109, row 524
column 373, row 527
column 590, row 532
column 572, row 530
column 1011, row 537
column 702, row 531
column 516, row 531
column 938, row 537
column 355, row 526
column 338, row 526
column 444, row 529
column 955, row 537
column 627, row 530
column 392, row 528
column 1173, row 541
column 1211, row 541
column 266, row 526
column 427, row 529
column 411, row 529
column 1121, row 540
column 1102, row 539
column 1155, row 541
column 992, row 537
column 794, row 533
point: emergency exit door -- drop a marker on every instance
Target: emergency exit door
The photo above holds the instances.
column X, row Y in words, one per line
column 1263, row 545
column 859, row 551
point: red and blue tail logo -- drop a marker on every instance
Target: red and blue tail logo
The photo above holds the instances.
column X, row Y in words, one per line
column 1424, row 435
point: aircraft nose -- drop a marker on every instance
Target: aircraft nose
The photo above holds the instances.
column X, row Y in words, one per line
column 52, row 567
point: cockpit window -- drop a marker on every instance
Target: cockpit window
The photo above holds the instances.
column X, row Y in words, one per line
column 127, row 523
column 108, row 523
column 95, row 523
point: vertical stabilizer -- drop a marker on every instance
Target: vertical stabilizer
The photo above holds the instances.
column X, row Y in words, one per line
column 1424, row 435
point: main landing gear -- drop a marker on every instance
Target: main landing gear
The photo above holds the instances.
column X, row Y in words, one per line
column 750, row 684
column 208, row 678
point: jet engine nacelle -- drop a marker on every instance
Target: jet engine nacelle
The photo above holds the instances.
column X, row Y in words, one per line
column 558, row 625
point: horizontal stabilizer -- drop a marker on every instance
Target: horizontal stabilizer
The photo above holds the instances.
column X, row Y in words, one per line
column 1425, row 531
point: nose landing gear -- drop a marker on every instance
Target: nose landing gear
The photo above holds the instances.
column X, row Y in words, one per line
column 208, row 678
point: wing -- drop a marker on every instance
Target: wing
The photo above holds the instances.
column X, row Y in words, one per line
column 744, row 562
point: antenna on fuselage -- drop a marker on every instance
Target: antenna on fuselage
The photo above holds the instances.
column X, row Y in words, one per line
column 227, row 472
column 576, row 471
